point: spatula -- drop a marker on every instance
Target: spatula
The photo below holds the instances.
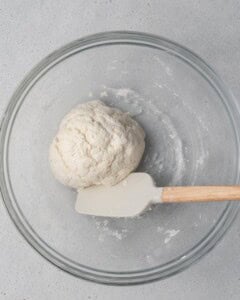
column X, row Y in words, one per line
column 134, row 194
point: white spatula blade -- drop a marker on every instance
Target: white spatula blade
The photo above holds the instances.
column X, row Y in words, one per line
column 126, row 199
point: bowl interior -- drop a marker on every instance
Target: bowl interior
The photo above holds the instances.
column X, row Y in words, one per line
column 190, row 141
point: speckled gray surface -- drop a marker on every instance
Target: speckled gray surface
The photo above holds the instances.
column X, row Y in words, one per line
column 30, row 30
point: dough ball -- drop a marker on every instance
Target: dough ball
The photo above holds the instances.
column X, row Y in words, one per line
column 96, row 145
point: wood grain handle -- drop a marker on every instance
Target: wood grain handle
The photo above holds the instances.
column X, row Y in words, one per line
column 200, row 193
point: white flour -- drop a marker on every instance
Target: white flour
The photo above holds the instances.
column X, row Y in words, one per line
column 170, row 233
column 105, row 231
column 179, row 163
column 131, row 101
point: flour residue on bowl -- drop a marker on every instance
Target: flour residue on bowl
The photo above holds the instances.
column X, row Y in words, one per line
column 105, row 230
column 130, row 100
column 164, row 65
column 201, row 130
column 177, row 164
column 170, row 233
column 177, row 147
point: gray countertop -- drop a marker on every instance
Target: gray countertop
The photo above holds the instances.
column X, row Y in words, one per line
column 29, row 31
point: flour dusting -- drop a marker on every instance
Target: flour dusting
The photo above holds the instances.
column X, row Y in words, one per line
column 170, row 234
column 90, row 94
column 105, row 231
column 160, row 229
column 103, row 94
column 130, row 100
column 166, row 67
column 178, row 166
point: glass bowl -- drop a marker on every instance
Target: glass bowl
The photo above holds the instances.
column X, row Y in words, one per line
column 192, row 124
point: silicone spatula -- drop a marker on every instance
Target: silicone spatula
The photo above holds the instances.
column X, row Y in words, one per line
column 133, row 195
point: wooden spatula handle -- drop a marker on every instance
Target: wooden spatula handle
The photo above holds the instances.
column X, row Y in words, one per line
column 200, row 193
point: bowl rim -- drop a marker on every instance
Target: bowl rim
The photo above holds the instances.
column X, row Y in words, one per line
column 109, row 277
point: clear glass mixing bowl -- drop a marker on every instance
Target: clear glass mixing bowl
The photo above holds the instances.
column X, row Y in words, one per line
column 192, row 124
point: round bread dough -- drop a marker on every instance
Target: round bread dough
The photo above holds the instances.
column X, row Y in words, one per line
column 96, row 145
